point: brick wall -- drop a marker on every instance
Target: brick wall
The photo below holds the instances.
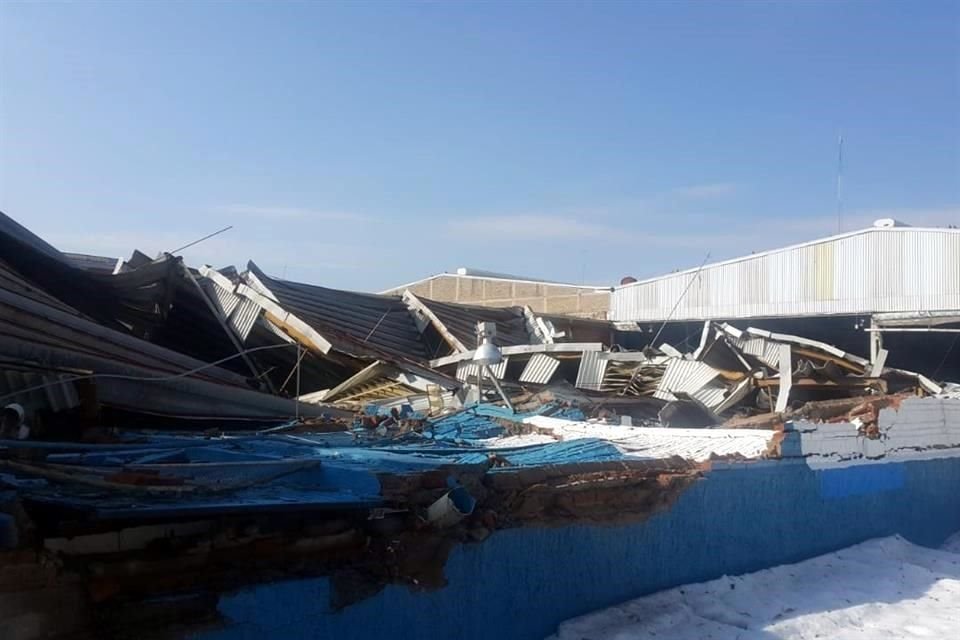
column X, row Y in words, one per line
column 493, row 292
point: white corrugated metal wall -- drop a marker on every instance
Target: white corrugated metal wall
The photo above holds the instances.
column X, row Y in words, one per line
column 868, row 271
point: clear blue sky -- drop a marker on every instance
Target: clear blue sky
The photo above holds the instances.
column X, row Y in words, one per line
column 364, row 145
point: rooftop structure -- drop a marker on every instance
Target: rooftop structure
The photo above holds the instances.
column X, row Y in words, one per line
column 886, row 268
column 491, row 289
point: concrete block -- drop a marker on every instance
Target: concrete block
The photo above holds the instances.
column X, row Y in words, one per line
column 564, row 304
column 443, row 288
column 527, row 290
column 497, row 290
column 556, row 290
column 595, row 304
column 471, row 289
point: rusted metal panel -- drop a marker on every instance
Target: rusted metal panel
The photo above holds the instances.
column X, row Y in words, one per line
column 540, row 368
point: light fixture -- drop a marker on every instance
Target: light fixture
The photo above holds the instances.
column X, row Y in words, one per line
column 487, row 354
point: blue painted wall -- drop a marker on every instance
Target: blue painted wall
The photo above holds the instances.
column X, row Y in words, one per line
column 522, row 583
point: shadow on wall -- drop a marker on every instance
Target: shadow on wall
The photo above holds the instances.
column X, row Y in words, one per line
column 522, row 583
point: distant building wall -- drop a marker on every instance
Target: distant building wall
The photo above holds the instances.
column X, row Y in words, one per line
column 874, row 270
column 542, row 297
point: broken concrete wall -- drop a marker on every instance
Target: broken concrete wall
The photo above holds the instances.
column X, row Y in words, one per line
column 920, row 428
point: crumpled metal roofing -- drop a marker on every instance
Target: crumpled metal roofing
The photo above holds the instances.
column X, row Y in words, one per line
column 87, row 262
column 539, row 369
column 482, row 422
column 355, row 323
column 13, row 229
column 687, row 376
column 34, row 328
column 461, row 320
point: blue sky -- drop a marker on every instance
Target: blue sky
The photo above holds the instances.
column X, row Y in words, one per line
column 363, row 145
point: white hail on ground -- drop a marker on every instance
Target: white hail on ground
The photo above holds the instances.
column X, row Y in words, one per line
column 882, row 589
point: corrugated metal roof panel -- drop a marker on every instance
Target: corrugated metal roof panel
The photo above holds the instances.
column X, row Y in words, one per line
column 687, row 376
column 461, row 320
column 243, row 317
column 225, row 300
column 355, row 323
column 540, row 368
column 764, row 350
column 590, row 373
column 712, row 394
column 100, row 264
column 467, row 369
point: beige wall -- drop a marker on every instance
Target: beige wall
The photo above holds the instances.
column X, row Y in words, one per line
column 491, row 292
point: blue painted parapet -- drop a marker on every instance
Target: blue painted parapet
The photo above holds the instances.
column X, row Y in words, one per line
column 521, row 583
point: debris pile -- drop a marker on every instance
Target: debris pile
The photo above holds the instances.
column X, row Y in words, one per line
column 169, row 428
column 735, row 373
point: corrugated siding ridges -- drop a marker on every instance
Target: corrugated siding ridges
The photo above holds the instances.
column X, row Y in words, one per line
column 875, row 270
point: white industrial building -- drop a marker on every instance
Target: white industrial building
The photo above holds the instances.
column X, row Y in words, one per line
column 889, row 288
column 888, row 268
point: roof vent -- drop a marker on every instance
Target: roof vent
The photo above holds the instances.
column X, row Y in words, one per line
column 627, row 280
column 888, row 223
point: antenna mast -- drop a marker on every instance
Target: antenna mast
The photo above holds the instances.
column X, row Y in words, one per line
column 839, row 183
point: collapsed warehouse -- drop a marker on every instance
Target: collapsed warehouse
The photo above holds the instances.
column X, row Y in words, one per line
column 194, row 431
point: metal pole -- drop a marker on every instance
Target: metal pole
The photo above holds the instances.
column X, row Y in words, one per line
column 228, row 330
column 480, row 373
column 496, row 385
column 297, row 398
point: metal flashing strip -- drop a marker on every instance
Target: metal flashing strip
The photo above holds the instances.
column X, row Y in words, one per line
column 806, row 342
